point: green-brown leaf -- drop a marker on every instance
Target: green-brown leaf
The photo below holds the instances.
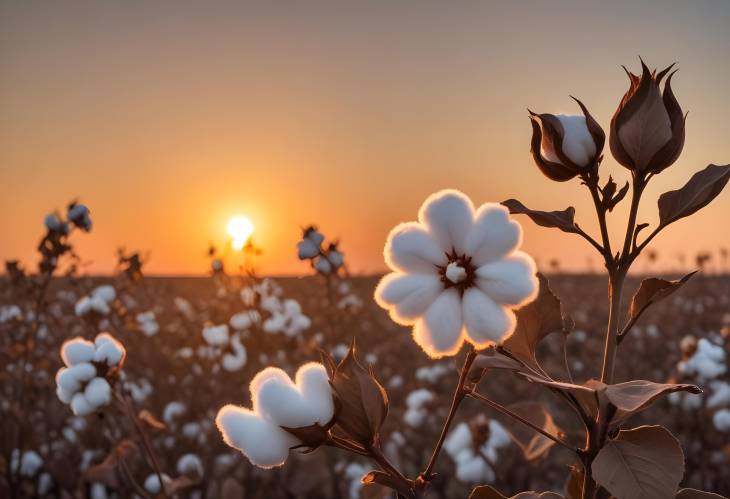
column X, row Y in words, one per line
column 563, row 220
column 698, row 192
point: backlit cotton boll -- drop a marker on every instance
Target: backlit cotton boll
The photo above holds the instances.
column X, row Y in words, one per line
column 323, row 265
column 84, row 382
column 457, row 274
column 277, row 402
column 216, row 335
column 79, row 215
column 54, row 224
column 565, row 146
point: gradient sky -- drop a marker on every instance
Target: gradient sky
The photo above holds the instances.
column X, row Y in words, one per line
column 168, row 118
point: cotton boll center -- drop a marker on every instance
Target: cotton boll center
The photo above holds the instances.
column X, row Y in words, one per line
column 459, row 272
column 455, row 273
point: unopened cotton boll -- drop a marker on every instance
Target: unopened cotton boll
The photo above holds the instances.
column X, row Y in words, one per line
column 277, row 401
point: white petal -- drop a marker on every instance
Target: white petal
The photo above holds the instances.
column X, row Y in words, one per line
column 263, row 443
column 449, row 216
column 439, row 332
column 493, row 235
column 410, row 248
column 407, row 296
column 511, row 281
column 485, row 321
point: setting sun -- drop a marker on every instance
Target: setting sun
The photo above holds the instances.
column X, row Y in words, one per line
column 240, row 229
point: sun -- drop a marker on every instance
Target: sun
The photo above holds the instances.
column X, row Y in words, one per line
column 240, row 229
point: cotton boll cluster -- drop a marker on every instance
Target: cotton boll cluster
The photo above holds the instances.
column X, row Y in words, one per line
column 139, row 390
column 286, row 317
column 147, row 323
column 432, row 373
column 707, row 362
column 325, row 260
column 474, row 448
column 457, row 274
column 245, row 319
column 80, row 216
column 98, row 301
column 417, row 410
column 27, row 465
column 277, row 402
column 84, row 383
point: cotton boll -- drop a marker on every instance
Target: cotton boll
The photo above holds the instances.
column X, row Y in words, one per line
column 472, row 468
column 80, row 406
column 216, row 335
column 98, row 392
column 307, row 249
column 152, row 483
column 76, row 351
column 83, row 306
column 241, row 321
column 190, row 464
column 578, row 143
column 409, row 294
column 79, row 215
column 172, row 411
column 431, row 373
column 721, row 420
column 98, row 491
column 459, row 439
column 336, row 258
column 236, row 360
column 720, row 394
column 322, row 265
column 314, row 235
column 108, row 350
column 28, row 465
column 264, row 444
column 106, row 292
column 416, row 413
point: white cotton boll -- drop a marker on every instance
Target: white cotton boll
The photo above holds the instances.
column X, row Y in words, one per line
column 395, row 382
column 172, row 411
column 64, row 395
column 314, row 235
column 105, row 292
column 431, row 373
column 322, row 265
column 307, row 249
column 190, row 464
column 216, row 335
column 76, row 351
column 53, row 223
column 98, row 392
column 152, row 483
column 720, row 394
column 98, row 491
column 512, row 281
column 416, row 414
column 498, row 435
column 336, row 258
column 578, row 144
column 264, row 444
column 236, row 360
column 83, row 306
column 9, row 313
column 108, row 349
column 459, row 438
column 472, row 468
column 80, row 406
column 45, row 483
column 410, row 248
column 28, row 465
column 275, row 323
column 79, row 215
column 241, row 321
column 493, row 236
column 354, row 472
column 449, row 216
column 721, row 420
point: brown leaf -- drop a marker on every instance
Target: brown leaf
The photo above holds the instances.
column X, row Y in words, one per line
column 146, row 417
column 698, row 192
column 612, row 202
column 533, row 444
column 643, row 463
column 696, row 494
column 491, row 359
column 586, row 395
column 563, row 220
column 634, row 396
column 652, row 290
column 179, row 484
column 311, row 437
column 108, row 471
column 535, row 321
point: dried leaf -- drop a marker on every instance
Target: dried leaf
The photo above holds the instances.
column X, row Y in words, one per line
column 146, row 417
column 535, row 321
column 696, row 494
column 698, row 192
column 491, row 359
column 533, row 444
column 179, row 484
column 634, row 396
column 643, row 463
column 108, row 471
column 487, row 492
column 563, row 220
column 612, row 202
column 652, row 290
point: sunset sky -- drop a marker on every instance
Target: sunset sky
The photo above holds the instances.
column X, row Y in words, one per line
column 169, row 118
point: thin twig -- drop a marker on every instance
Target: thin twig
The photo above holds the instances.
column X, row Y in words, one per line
column 494, row 405
column 459, row 395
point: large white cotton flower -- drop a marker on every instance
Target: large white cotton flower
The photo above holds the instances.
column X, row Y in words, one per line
column 456, row 274
column 83, row 382
column 277, row 402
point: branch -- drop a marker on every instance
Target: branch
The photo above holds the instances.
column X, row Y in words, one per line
column 500, row 408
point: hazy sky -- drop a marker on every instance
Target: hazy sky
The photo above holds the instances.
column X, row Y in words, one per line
column 167, row 118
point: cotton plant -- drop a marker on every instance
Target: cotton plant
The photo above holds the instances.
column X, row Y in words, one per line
column 326, row 259
column 99, row 301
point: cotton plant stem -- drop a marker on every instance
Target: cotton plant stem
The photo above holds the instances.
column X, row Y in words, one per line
column 615, row 290
column 500, row 408
column 145, row 441
column 459, row 395
column 384, row 463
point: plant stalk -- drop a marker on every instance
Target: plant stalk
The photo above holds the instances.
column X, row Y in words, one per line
column 615, row 291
